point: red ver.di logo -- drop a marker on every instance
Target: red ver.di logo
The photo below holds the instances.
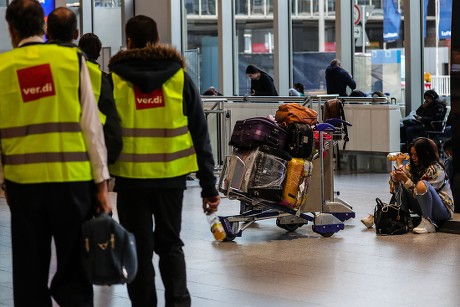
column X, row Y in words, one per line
column 36, row 82
column 153, row 99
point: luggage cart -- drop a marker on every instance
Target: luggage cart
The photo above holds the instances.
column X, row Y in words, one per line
column 326, row 212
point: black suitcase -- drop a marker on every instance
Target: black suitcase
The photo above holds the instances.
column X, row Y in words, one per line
column 256, row 131
column 300, row 140
column 267, row 174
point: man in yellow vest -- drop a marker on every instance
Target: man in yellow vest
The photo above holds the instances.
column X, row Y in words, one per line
column 53, row 153
column 62, row 29
column 165, row 137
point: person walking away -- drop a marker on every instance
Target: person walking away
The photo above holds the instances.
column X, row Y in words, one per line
column 62, row 30
column 337, row 79
column 261, row 82
column 165, row 137
column 53, row 160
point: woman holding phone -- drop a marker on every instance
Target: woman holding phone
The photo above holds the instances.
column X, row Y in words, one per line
column 424, row 185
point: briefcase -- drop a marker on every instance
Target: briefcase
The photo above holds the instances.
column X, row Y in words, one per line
column 109, row 251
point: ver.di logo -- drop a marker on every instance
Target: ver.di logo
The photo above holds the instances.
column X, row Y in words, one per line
column 153, row 99
column 36, row 82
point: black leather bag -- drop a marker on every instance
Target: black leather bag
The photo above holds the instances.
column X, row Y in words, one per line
column 389, row 219
column 109, row 251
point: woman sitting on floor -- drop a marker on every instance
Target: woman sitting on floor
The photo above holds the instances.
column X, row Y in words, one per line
column 423, row 185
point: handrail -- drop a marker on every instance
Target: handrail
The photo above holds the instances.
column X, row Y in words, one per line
column 364, row 100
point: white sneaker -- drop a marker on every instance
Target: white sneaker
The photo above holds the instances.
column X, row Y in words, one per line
column 425, row 226
column 368, row 221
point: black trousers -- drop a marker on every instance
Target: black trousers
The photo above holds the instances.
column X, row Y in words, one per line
column 40, row 213
column 135, row 210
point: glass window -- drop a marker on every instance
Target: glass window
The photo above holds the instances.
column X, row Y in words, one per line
column 107, row 26
column 202, row 49
column 5, row 40
column 241, row 7
column 255, row 42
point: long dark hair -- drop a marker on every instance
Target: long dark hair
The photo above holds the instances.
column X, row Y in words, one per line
column 427, row 154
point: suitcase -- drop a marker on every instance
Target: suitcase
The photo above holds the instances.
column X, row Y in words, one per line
column 298, row 178
column 264, row 177
column 300, row 140
column 258, row 172
column 256, row 131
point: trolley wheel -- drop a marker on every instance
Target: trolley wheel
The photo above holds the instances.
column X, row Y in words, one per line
column 323, row 234
column 230, row 234
column 288, row 227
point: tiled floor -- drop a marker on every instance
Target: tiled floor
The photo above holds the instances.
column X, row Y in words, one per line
column 269, row 267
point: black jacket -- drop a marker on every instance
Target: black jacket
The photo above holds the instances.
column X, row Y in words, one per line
column 434, row 111
column 112, row 125
column 264, row 86
column 149, row 68
column 337, row 80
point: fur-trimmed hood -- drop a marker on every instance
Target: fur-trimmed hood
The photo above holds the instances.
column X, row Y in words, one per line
column 147, row 67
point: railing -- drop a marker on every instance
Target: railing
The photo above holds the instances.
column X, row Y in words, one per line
column 441, row 84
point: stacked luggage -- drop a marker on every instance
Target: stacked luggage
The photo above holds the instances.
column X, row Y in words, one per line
column 271, row 158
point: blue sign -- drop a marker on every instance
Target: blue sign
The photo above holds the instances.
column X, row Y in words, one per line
column 445, row 19
column 391, row 21
column 425, row 9
column 388, row 56
column 47, row 5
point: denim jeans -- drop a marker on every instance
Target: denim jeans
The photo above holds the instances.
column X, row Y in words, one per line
column 428, row 205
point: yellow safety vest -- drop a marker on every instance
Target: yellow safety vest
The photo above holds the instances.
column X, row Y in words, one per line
column 41, row 138
column 156, row 140
column 95, row 74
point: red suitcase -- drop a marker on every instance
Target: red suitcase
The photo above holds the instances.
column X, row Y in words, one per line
column 256, row 131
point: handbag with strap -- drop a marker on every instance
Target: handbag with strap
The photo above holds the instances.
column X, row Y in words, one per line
column 389, row 219
column 109, row 251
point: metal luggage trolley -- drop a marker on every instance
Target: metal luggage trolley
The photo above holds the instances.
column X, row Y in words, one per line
column 322, row 208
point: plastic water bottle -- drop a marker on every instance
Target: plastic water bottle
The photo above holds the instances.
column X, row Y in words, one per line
column 216, row 226
column 392, row 156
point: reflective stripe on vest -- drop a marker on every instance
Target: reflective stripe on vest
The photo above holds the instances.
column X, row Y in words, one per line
column 40, row 113
column 95, row 74
column 156, row 140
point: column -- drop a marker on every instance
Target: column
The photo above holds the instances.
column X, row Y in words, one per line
column 413, row 42
column 282, row 26
column 227, row 48
column 170, row 18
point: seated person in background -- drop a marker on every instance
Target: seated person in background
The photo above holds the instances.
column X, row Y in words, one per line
column 357, row 93
column 448, row 163
column 423, row 186
column 211, row 91
column 432, row 109
column 261, row 82
column 297, row 90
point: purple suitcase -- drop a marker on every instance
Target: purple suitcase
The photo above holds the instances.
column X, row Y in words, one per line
column 256, row 131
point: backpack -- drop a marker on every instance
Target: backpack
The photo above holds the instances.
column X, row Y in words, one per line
column 295, row 113
column 333, row 108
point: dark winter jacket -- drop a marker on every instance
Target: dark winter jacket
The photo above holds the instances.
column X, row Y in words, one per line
column 264, row 86
column 429, row 112
column 149, row 68
column 337, row 80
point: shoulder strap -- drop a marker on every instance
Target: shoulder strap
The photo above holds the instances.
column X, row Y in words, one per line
column 344, row 127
